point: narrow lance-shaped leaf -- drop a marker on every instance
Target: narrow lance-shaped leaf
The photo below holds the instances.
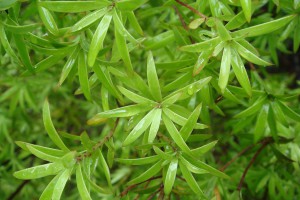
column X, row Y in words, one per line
column 60, row 184
column 225, row 68
column 7, row 4
column 5, row 43
column 48, row 20
column 98, row 38
column 83, row 191
column 279, row 114
column 152, row 78
column 105, row 168
column 170, row 176
column 255, row 107
column 88, row 20
column 83, row 75
column 139, row 128
column 129, row 5
column 152, row 171
column 42, row 155
column 205, row 148
column 23, row 51
column 163, row 155
column 18, row 29
column 199, row 47
column 248, row 55
column 202, row 61
column 73, row 6
column 272, row 124
column 223, row 32
column 188, row 127
column 134, row 22
column 261, row 122
column 264, row 28
column 240, row 72
column 50, row 128
column 39, row 171
column 68, row 66
column 288, row 111
column 246, row 5
column 48, row 191
column 135, row 97
column 154, row 125
column 139, row 161
column 190, row 179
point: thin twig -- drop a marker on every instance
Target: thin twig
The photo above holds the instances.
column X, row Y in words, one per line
column 157, row 191
column 192, row 9
column 264, row 144
column 181, row 18
column 19, row 188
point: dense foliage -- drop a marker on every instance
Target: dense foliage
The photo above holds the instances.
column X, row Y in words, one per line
column 149, row 99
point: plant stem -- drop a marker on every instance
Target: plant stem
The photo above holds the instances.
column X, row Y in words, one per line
column 192, row 9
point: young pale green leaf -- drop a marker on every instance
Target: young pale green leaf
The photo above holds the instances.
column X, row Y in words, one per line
column 48, row 191
column 51, row 129
column 139, row 161
column 48, row 62
column 81, row 186
column 48, row 20
column 240, row 72
column 88, row 20
column 288, row 111
column 134, row 22
column 69, row 160
column 202, row 61
column 255, row 107
column 199, row 47
column 178, row 119
column 105, row 168
column 170, row 176
column 206, row 167
column 83, row 76
column 46, row 150
column 223, row 32
column 122, row 49
column 140, row 128
column 17, row 29
column 173, row 65
column 246, row 5
column 248, row 55
column 68, row 66
column 172, row 130
column 261, row 122
column 73, row 6
column 121, row 29
column 272, row 123
column 248, row 46
column 159, row 41
column 60, row 184
column 188, row 127
column 129, row 5
column 225, row 68
column 205, row 148
column 264, row 28
column 190, row 179
column 152, row 78
column 163, row 155
column 192, row 168
column 152, row 171
column 98, row 38
column 39, row 171
column 42, row 155
column 154, row 125
column 5, row 4
column 135, row 97
column 23, row 51
column 236, row 22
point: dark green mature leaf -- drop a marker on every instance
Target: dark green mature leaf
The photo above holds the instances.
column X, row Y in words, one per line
column 73, row 6
column 51, row 129
column 152, row 78
column 170, row 176
column 261, row 122
column 288, row 111
column 255, row 107
column 139, row 161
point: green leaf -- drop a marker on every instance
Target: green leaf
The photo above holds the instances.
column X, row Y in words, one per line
column 190, row 179
column 261, row 122
column 272, row 124
column 48, row 191
column 140, row 128
column 159, row 41
column 205, row 45
column 5, row 4
column 240, row 72
column 73, row 6
column 236, row 22
column 170, row 176
column 17, row 29
column 172, row 130
column 188, row 127
column 42, row 155
column 202, row 61
column 205, row 148
column 279, row 114
column 50, row 128
column 288, row 111
column 134, row 22
column 121, row 29
column 98, row 38
column 135, row 97
column 39, row 171
column 60, row 184
column 264, row 28
column 152, row 171
column 68, row 66
column 152, row 78
column 81, row 186
column 139, row 161
column 48, row 20
column 248, row 55
column 154, row 125
column 223, row 32
column 83, row 76
column 129, row 5
column 105, row 168
column 46, row 150
column 255, row 107
column 88, row 20
column 246, row 5
column 192, row 168
column 6, row 45
column 225, row 68
column 23, row 51
column 163, row 155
